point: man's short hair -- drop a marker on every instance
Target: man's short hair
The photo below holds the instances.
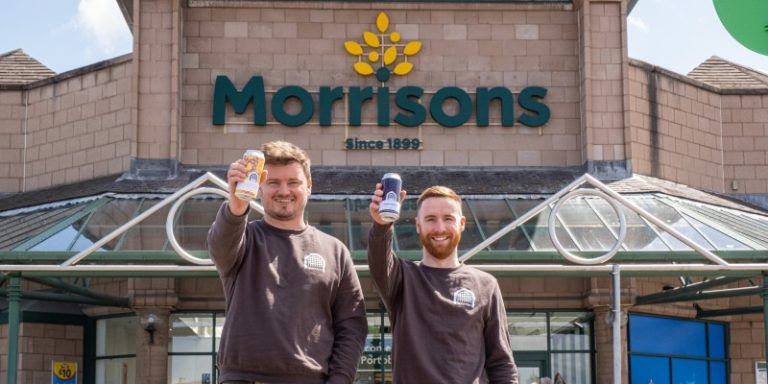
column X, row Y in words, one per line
column 283, row 153
column 438, row 191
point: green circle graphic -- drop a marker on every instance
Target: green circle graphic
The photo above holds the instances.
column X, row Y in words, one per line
column 746, row 21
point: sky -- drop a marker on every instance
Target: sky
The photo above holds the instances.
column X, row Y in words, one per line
column 674, row 34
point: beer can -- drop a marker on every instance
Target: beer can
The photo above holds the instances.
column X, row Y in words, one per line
column 254, row 165
column 389, row 209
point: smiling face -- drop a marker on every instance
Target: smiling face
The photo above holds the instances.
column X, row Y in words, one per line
column 439, row 223
column 284, row 195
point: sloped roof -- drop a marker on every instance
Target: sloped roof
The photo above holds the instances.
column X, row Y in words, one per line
column 724, row 74
column 16, row 67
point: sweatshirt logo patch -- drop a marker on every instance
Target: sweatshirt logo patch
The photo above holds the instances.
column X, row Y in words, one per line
column 315, row 262
column 464, row 297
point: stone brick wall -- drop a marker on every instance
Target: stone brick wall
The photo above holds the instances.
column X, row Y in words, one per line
column 745, row 143
column 677, row 131
column 69, row 128
column 511, row 45
column 603, row 81
column 39, row 346
column 11, row 140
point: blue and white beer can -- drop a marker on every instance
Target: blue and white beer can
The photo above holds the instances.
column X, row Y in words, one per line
column 389, row 209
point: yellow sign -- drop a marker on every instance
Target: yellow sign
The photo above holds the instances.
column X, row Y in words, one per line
column 64, row 372
column 383, row 52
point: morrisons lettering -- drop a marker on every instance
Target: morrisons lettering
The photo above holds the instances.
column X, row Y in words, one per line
column 412, row 113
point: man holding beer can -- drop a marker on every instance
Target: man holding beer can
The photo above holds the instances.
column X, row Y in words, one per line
column 294, row 305
column 448, row 319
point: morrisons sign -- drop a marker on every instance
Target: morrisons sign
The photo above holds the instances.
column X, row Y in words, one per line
column 412, row 113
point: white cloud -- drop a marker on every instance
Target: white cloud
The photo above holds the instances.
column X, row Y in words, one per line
column 102, row 22
column 637, row 23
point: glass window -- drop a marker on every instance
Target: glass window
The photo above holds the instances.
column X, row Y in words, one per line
column 558, row 342
column 689, row 371
column 191, row 333
column 192, row 346
column 574, row 368
column 671, row 336
column 570, row 331
column 717, row 374
column 116, row 350
column 527, row 331
column 716, row 340
column 190, row 369
column 116, row 371
column 647, row 369
column 116, row 336
column 676, row 351
column 376, row 362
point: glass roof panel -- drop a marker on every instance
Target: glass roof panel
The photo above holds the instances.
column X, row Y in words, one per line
column 59, row 241
column 110, row 216
column 360, row 222
column 640, row 236
column 494, row 215
column 150, row 233
column 328, row 216
column 406, row 238
column 19, row 229
column 74, row 228
column 748, row 227
column 583, row 223
column 671, row 217
column 471, row 235
column 720, row 239
column 193, row 220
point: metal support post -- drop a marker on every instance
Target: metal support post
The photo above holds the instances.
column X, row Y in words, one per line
column 14, row 318
column 765, row 314
column 616, row 278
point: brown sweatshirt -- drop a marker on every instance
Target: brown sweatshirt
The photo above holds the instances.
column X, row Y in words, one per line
column 448, row 324
column 294, row 306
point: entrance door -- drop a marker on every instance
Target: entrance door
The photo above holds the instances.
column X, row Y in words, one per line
column 530, row 371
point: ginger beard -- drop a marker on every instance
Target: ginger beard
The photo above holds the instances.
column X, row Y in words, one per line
column 440, row 249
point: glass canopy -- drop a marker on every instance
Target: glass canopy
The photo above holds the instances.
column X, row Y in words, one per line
column 584, row 224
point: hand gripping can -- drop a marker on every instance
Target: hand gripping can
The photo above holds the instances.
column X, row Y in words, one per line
column 389, row 209
column 254, row 165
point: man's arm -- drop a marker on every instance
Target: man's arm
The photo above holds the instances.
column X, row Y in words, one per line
column 350, row 325
column 499, row 363
column 226, row 239
column 384, row 266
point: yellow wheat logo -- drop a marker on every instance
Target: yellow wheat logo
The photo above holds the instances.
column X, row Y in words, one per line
column 383, row 52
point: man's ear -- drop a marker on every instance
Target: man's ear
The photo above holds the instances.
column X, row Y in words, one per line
column 462, row 222
column 418, row 225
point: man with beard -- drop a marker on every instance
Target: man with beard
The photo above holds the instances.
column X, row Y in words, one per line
column 294, row 304
column 448, row 319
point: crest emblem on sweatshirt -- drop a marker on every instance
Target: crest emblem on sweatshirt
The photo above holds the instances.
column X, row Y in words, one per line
column 464, row 297
column 315, row 262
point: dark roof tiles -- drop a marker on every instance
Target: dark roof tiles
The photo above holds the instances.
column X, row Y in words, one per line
column 723, row 74
column 18, row 68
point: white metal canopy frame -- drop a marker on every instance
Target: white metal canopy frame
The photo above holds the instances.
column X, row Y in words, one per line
column 595, row 265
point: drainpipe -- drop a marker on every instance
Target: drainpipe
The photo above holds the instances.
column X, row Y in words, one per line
column 616, row 275
column 14, row 317
column 24, row 150
column 765, row 313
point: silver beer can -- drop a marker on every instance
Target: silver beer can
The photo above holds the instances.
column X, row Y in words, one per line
column 254, row 165
column 389, row 209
